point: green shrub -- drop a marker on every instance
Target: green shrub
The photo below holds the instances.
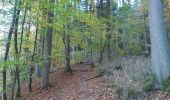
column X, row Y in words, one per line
column 149, row 83
column 167, row 89
column 166, row 84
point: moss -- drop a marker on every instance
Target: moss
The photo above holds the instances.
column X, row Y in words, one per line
column 149, row 83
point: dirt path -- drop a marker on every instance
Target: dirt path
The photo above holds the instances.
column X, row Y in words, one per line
column 72, row 87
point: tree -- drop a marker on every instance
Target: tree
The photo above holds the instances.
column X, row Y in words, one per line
column 159, row 42
column 108, row 33
column 33, row 56
column 7, row 49
column 17, row 75
column 48, row 40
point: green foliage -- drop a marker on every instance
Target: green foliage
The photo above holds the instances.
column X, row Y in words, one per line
column 132, row 92
column 133, row 49
column 81, row 25
column 78, row 57
column 149, row 83
column 166, row 84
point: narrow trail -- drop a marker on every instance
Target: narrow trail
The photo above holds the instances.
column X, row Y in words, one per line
column 71, row 87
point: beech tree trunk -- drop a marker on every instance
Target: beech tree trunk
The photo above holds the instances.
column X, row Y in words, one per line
column 67, row 51
column 48, row 40
column 32, row 59
column 159, row 42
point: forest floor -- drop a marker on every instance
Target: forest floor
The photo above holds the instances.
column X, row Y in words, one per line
column 81, row 85
column 78, row 86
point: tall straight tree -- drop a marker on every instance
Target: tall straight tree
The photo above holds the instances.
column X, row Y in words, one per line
column 7, row 49
column 46, row 70
column 108, row 33
column 17, row 75
column 159, row 42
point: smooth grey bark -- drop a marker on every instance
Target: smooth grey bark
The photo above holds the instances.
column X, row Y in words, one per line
column 32, row 59
column 159, row 43
column 66, row 41
column 38, row 68
column 48, row 41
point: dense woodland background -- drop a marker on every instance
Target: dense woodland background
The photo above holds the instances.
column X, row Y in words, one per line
column 125, row 41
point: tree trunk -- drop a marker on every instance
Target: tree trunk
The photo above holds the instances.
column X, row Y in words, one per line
column 38, row 68
column 108, row 33
column 18, row 92
column 46, row 70
column 7, row 50
column 101, row 53
column 91, row 53
column 159, row 43
column 22, row 27
column 32, row 59
column 100, row 8
column 67, row 51
column 144, row 30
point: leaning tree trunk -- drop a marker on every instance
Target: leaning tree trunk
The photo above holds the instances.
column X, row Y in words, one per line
column 46, row 70
column 159, row 42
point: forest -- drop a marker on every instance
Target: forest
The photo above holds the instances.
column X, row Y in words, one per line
column 85, row 49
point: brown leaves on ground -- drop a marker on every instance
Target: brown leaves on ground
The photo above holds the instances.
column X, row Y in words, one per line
column 71, row 87
column 75, row 87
